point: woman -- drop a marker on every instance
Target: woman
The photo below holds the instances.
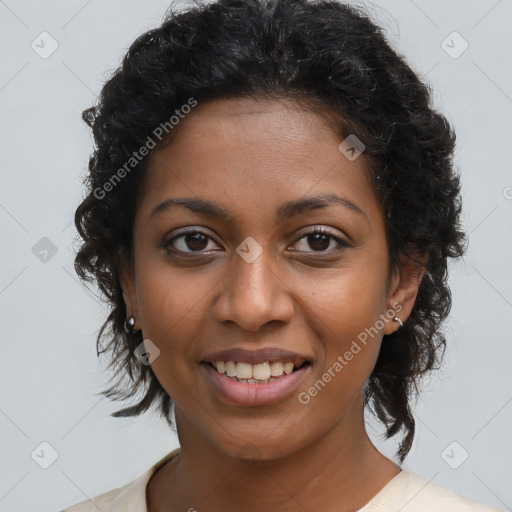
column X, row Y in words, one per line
column 271, row 207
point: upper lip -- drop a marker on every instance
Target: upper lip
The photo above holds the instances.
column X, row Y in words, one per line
column 262, row 355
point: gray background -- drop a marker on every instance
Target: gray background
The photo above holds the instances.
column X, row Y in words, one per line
column 49, row 371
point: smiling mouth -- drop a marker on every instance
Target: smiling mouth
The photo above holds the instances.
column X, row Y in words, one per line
column 261, row 373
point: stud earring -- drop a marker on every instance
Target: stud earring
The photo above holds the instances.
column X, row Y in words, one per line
column 129, row 324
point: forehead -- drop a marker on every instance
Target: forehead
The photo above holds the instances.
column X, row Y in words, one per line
column 256, row 152
column 242, row 122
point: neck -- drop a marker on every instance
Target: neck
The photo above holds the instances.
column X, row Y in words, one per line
column 341, row 471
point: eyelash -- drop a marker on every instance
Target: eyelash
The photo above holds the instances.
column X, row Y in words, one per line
column 317, row 230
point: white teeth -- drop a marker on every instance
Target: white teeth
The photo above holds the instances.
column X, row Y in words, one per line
column 230, row 369
column 276, row 369
column 257, row 372
column 288, row 368
column 260, row 371
column 244, row 371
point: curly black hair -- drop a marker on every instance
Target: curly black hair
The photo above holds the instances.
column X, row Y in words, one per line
column 323, row 55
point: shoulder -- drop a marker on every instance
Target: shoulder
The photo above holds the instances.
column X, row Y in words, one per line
column 414, row 493
column 131, row 497
column 127, row 498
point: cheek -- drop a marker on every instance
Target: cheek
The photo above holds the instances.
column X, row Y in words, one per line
column 346, row 314
column 169, row 299
column 348, row 299
column 171, row 310
column 347, row 356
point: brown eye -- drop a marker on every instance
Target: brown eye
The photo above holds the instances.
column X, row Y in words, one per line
column 320, row 240
column 189, row 242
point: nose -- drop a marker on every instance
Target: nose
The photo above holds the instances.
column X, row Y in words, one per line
column 254, row 294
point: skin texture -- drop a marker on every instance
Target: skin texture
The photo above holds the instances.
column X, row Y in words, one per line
column 250, row 157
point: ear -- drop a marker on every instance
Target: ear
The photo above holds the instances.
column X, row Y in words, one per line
column 126, row 274
column 404, row 289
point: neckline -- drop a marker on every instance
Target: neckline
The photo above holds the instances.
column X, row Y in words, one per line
column 153, row 470
column 384, row 491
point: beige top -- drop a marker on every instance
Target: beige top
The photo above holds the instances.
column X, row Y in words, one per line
column 406, row 492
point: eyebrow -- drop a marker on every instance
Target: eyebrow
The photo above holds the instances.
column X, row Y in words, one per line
column 285, row 211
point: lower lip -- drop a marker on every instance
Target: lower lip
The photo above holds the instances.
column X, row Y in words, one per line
column 241, row 393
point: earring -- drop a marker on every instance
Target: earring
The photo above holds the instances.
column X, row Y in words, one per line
column 129, row 324
column 396, row 319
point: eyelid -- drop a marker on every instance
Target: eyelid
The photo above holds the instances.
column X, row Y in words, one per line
column 307, row 231
column 318, row 228
column 314, row 229
column 167, row 243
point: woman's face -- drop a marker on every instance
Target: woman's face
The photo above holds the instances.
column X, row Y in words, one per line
column 253, row 278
